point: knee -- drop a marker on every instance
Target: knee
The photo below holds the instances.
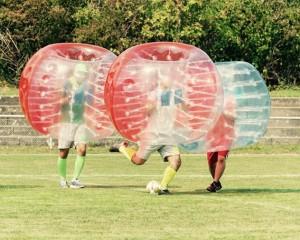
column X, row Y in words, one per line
column 137, row 161
column 221, row 160
column 81, row 149
column 63, row 153
column 175, row 162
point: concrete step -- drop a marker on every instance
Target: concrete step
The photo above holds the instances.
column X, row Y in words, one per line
column 285, row 111
column 283, row 132
column 43, row 141
column 285, row 102
column 17, row 131
column 24, row 140
column 279, row 140
column 13, row 120
column 284, row 122
column 9, row 100
column 10, row 110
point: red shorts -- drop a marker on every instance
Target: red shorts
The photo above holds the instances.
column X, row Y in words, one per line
column 212, row 157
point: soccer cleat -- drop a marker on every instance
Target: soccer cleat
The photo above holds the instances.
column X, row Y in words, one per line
column 113, row 149
column 75, row 183
column 63, row 184
column 163, row 191
column 214, row 186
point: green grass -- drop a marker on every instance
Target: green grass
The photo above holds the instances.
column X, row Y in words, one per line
column 8, row 90
column 286, row 92
column 260, row 199
column 269, row 149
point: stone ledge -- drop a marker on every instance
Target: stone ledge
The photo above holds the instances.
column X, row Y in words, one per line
column 280, row 140
column 9, row 100
column 285, row 101
column 43, row 141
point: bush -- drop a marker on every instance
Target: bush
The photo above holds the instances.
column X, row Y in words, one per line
column 263, row 33
column 26, row 26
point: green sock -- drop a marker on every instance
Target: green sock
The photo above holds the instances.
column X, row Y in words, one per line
column 62, row 167
column 79, row 164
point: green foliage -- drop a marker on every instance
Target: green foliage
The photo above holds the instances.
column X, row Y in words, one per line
column 285, row 91
column 113, row 25
column 255, row 31
column 26, row 26
column 162, row 22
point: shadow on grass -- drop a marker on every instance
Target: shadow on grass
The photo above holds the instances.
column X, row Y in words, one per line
column 114, row 186
column 260, row 190
column 121, row 186
column 237, row 191
column 4, row 187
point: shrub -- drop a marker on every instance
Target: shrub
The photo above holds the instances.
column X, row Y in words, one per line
column 263, row 33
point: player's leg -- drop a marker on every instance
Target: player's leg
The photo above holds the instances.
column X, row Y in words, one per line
column 221, row 165
column 81, row 148
column 217, row 164
column 65, row 142
column 172, row 155
column 78, row 166
column 212, row 158
column 127, row 151
column 62, row 166
column 137, row 157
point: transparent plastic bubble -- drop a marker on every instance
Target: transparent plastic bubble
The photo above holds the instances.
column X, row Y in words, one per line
column 64, row 84
column 246, row 110
column 163, row 93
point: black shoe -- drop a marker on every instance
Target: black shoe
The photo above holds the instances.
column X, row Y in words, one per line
column 113, row 149
column 164, row 192
column 214, row 186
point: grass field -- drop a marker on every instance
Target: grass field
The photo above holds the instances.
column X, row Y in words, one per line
column 260, row 199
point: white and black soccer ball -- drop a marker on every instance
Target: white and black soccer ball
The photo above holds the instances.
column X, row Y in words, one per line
column 152, row 187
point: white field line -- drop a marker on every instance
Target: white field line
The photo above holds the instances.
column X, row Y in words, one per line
column 235, row 176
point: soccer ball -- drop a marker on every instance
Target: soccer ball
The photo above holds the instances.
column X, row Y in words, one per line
column 152, row 187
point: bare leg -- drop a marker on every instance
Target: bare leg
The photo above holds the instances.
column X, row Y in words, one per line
column 220, row 168
column 81, row 149
column 63, row 153
column 217, row 164
column 174, row 162
column 212, row 169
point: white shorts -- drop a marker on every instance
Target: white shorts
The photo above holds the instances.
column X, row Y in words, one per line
column 165, row 151
column 72, row 134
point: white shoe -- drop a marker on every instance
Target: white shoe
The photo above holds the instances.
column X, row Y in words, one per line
column 75, row 183
column 63, row 184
